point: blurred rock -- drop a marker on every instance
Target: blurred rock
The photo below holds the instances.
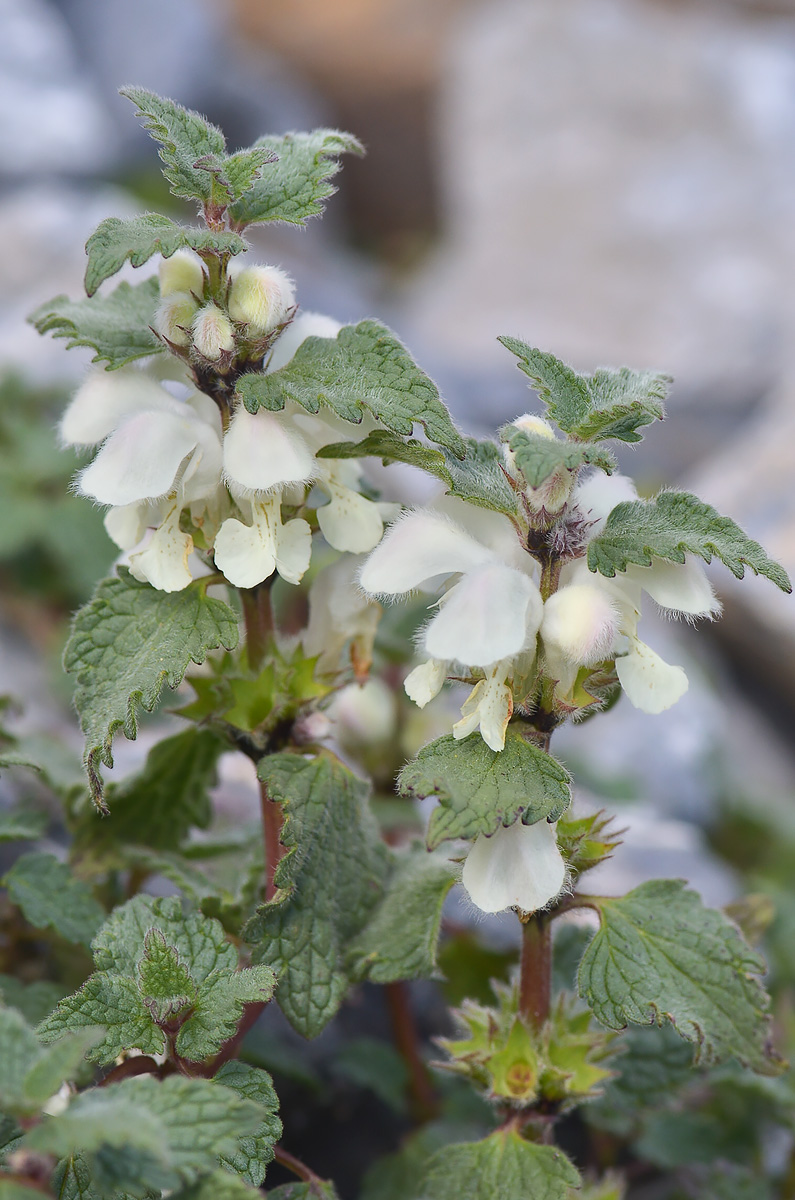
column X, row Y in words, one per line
column 51, row 117
column 619, row 178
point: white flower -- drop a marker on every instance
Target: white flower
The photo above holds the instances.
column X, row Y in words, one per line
column 489, row 616
column 165, row 464
column 517, row 867
column 340, row 616
column 651, row 684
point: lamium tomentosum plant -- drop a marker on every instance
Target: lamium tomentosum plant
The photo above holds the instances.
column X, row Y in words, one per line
column 233, row 431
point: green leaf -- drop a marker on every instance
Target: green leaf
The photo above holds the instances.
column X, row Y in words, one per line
column 33, row 1000
column 220, row 1185
column 255, row 1151
column 654, row 1066
column 671, row 526
column 364, row 368
column 318, row 1189
column 145, row 1134
column 480, row 789
column 607, row 404
column 29, row 1073
column 138, row 238
column 234, row 174
column 159, row 806
column 477, row 478
column 329, row 882
column 22, row 826
column 184, row 137
column 126, row 643
column 117, row 325
column 501, row 1167
column 659, row 954
column 294, row 188
column 159, row 967
column 538, row 457
column 50, row 896
column 371, row 1063
column 72, row 1179
column 400, row 939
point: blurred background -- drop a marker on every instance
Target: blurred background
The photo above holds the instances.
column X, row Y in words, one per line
column 612, row 180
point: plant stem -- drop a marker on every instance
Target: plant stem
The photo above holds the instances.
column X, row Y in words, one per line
column 296, row 1166
column 535, row 976
column 258, row 617
column 424, row 1101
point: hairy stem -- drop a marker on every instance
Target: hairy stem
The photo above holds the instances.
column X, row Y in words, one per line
column 535, row 975
column 272, row 821
column 295, row 1165
column 424, row 1101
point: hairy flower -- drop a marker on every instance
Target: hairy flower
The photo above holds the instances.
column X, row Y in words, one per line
column 518, row 866
column 165, row 464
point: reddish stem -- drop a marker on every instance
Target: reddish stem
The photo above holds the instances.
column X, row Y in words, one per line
column 296, row 1166
column 272, row 821
column 535, row 978
column 424, row 1101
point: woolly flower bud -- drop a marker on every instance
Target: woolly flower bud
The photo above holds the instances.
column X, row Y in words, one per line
column 581, row 623
column 182, row 272
column 555, row 490
column 260, row 297
column 174, row 317
column 212, row 332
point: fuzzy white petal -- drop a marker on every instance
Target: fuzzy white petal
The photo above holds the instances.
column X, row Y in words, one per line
column 425, row 681
column 339, row 614
column 420, row 546
column 518, row 867
column 262, row 452
column 349, row 521
column 306, row 324
column 683, row 587
column 581, row 623
column 492, row 613
column 651, row 684
column 105, row 398
column 128, row 524
column 488, row 707
column 293, row 550
column 141, row 459
column 164, row 560
column 598, row 495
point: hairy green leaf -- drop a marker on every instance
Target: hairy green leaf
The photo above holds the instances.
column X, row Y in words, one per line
column 364, row 368
column 29, row 1073
column 671, row 526
column 607, row 404
column 480, row 789
column 161, row 967
column 400, row 939
column 660, row 955
column 294, row 187
column 184, row 136
column 477, row 478
column 255, row 1151
column 538, row 457
column 329, row 882
column 501, row 1167
column 33, row 1000
column 654, row 1065
column 162, row 803
column 117, row 325
column 137, row 238
column 126, row 644
column 50, row 896
column 144, row 1134
column 219, row 1185
column 234, row 174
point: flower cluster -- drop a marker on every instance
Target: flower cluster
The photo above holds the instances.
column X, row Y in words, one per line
column 179, row 475
column 497, row 625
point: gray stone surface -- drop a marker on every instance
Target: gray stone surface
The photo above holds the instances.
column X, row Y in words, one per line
column 619, row 178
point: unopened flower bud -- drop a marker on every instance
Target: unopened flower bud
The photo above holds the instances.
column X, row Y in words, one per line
column 174, row 317
column 212, row 332
column 553, row 493
column 581, row 623
column 260, row 298
column 182, row 272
